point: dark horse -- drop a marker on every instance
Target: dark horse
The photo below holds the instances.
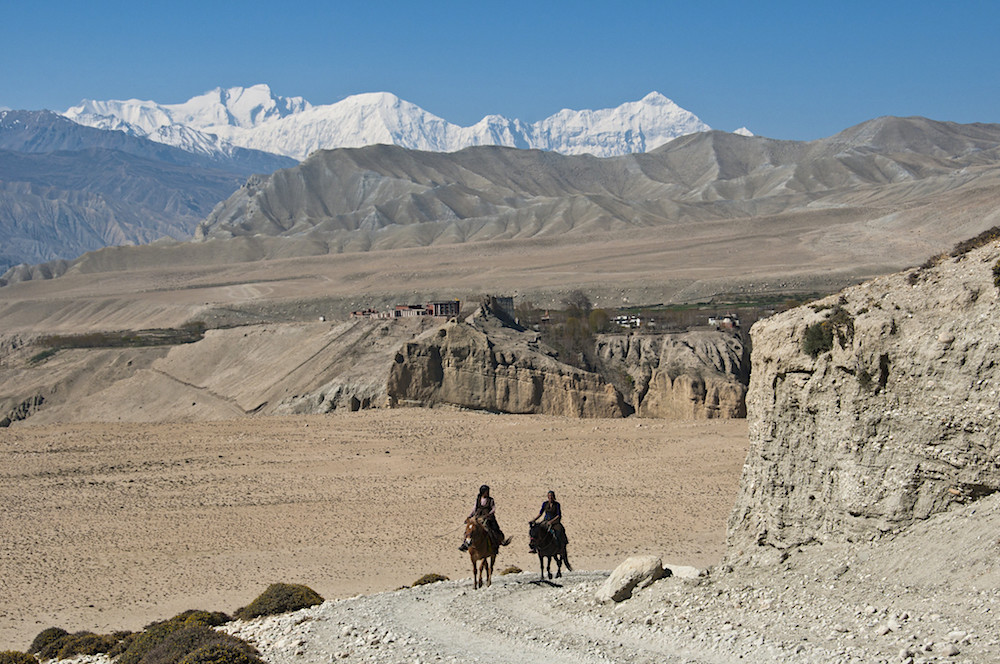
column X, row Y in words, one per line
column 482, row 550
column 547, row 544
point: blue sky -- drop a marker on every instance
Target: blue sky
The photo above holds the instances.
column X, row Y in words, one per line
column 795, row 70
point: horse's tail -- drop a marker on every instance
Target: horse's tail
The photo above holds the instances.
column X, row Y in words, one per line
column 565, row 558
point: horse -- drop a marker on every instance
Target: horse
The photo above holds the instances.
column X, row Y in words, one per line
column 482, row 550
column 548, row 545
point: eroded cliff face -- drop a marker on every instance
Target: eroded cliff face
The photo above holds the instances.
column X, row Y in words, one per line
column 872, row 408
column 696, row 375
column 483, row 365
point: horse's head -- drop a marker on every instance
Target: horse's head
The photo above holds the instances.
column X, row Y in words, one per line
column 536, row 535
column 472, row 524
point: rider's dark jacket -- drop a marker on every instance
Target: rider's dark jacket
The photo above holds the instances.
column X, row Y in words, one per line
column 550, row 511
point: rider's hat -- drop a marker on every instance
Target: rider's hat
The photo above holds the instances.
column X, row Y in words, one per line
column 483, row 489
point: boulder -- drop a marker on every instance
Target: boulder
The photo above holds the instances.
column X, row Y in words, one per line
column 635, row 572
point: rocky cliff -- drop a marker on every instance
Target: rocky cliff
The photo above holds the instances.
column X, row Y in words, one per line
column 316, row 367
column 695, row 375
column 873, row 408
column 485, row 365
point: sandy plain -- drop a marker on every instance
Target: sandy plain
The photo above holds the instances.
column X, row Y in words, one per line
column 111, row 526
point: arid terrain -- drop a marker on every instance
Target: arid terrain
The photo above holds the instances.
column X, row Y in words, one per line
column 111, row 526
column 140, row 482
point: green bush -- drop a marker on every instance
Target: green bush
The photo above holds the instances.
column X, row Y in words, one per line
column 817, row 339
column 220, row 654
column 134, row 648
column 86, row 643
column 188, row 640
column 279, row 598
column 16, row 657
column 45, row 638
column 429, row 578
column 996, row 275
column 57, row 643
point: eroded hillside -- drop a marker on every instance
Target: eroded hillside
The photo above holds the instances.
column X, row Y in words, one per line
column 873, row 409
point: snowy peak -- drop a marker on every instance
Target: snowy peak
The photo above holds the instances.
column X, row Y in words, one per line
column 218, row 108
column 637, row 126
column 237, row 107
column 256, row 118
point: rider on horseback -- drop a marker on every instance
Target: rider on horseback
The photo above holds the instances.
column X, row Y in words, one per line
column 551, row 515
column 485, row 509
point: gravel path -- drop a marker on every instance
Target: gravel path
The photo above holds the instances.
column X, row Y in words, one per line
column 900, row 600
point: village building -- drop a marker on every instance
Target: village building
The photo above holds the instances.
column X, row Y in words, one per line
column 730, row 322
column 629, row 321
column 409, row 310
column 446, row 309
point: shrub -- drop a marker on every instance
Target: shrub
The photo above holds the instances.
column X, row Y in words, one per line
column 38, row 358
column 280, row 598
column 987, row 236
column 996, row 275
column 188, row 640
column 85, row 643
column 817, row 339
column 513, row 569
column 843, row 325
column 45, row 638
column 220, row 654
column 56, row 643
column 134, row 648
column 206, row 618
column 16, row 657
column 429, row 578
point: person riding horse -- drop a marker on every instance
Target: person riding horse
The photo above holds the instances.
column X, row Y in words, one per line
column 485, row 509
column 551, row 515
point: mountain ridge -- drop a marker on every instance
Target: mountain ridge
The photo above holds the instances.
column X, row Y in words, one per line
column 487, row 192
column 295, row 128
column 66, row 189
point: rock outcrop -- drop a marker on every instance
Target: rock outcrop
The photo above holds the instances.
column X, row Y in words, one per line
column 695, row 375
column 872, row 409
column 483, row 364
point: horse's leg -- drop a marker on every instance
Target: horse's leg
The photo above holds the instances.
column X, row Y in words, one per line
column 541, row 567
column 558, row 566
column 475, row 579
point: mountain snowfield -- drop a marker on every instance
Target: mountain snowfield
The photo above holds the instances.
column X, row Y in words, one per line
column 256, row 118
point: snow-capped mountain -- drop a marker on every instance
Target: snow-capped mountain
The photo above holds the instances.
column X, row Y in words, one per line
column 256, row 118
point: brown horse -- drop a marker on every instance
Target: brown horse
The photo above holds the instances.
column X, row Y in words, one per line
column 481, row 551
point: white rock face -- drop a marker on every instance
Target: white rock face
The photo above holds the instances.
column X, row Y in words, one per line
column 635, row 572
column 256, row 118
column 889, row 419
